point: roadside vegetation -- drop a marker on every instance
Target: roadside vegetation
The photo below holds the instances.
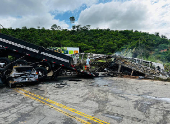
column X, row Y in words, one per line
column 152, row 47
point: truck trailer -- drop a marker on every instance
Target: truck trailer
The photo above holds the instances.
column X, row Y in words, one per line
column 16, row 52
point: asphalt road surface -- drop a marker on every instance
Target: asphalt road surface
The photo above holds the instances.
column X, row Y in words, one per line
column 101, row 100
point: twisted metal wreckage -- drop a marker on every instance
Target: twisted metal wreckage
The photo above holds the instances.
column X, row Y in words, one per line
column 115, row 65
column 40, row 62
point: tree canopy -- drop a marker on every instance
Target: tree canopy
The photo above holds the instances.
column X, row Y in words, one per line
column 103, row 41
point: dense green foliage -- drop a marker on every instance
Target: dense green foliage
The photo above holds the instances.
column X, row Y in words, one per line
column 105, row 41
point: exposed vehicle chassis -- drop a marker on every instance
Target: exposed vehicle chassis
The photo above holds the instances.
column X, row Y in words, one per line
column 15, row 52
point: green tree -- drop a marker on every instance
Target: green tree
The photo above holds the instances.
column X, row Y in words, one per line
column 54, row 27
column 72, row 19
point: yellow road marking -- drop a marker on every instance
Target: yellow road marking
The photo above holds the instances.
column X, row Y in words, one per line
column 65, row 107
column 59, row 110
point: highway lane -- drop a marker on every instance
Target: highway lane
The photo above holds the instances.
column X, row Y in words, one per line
column 75, row 101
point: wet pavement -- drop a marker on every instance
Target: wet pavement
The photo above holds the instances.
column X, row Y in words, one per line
column 74, row 101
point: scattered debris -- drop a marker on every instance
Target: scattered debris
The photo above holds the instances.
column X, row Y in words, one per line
column 60, row 84
column 75, row 80
column 117, row 118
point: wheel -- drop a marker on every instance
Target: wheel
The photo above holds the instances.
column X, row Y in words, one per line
column 7, row 72
column 3, row 62
column 42, row 73
column 45, row 65
column 20, row 63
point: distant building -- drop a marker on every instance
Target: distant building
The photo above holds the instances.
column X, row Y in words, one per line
column 65, row 50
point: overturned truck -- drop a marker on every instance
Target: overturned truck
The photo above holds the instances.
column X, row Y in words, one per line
column 126, row 66
column 15, row 52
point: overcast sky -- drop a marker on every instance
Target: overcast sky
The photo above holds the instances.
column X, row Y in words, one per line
column 143, row 15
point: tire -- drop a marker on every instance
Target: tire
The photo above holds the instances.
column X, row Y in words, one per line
column 45, row 65
column 7, row 72
column 4, row 60
column 20, row 62
column 42, row 73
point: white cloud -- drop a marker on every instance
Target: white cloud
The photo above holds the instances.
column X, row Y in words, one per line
column 29, row 13
column 67, row 5
column 21, row 8
column 150, row 16
column 144, row 15
column 33, row 13
column 45, row 21
column 114, row 15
